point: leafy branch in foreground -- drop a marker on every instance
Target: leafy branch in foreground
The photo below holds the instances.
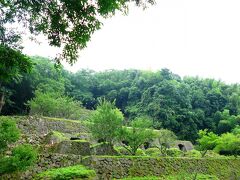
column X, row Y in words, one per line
column 66, row 24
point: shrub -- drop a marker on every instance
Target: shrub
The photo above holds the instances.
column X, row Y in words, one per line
column 55, row 105
column 106, row 122
column 137, row 134
column 165, row 138
column 9, row 132
column 22, row 157
column 153, row 152
column 236, row 130
column 122, row 151
column 228, row 144
column 207, row 141
column 212, row 154
column 174, row 152
column 193, row 154
column 5, row 163
column 140, row 152
column 71, row 172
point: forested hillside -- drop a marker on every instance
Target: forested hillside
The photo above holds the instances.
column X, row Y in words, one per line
column 183, row 105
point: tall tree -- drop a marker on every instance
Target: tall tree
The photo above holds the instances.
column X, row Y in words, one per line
column 207, row 141
column 139, row 133
column 13, row 64
column 106, row 122
column 165, row 138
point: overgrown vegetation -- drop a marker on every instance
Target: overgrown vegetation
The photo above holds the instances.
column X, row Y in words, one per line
column 106, row 122
column 165, row 138
column 22, row 156
column 182, row 176
column 204, row 111
column 182, row 105
column 175, row 167
column 13, row 65
column 9, row 133
column 225, row 144
column 71, row 172
column 137, row 134
column 56, row 105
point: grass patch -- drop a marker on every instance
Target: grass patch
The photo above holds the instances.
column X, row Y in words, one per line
column 83, row 122
column 143, row 178
column 182, row 176
column 185, row 176
column 71, row 172
column 59, row 135
column 64, row 120
column 78, row 140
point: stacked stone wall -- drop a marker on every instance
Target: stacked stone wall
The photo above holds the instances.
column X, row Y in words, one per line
column 120, row 167
column 45, row 162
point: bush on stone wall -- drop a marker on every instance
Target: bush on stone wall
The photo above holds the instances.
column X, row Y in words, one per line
column 122, row 151
column 153, row 152
column 71, row 172
column 193, row 154
column 213, row 154
column 21, row 156
column 174, row 152
column 140, row 152
column 54, row 105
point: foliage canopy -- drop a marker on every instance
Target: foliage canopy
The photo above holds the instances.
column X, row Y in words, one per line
column 182, row 105
column 66, row 24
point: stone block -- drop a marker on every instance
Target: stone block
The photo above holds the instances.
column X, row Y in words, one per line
column 77, row 147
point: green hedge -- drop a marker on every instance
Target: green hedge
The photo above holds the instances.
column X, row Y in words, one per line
column 71, row 172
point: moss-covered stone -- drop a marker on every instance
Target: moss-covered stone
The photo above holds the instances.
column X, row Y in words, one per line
column 77, row 147
column 125, row 166
column 45, row 161
column 180, row 176
column 103, row 149
column 54, row 137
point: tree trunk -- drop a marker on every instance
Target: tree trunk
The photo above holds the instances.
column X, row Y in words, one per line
column 2, row 102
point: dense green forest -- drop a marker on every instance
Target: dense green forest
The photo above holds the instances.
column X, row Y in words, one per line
column 183, row 105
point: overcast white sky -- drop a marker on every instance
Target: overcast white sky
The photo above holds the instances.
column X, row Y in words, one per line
column 190, row 37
